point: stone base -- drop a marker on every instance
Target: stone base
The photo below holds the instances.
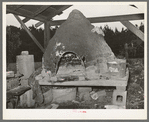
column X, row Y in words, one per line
column 84, row 93
column 64, row 95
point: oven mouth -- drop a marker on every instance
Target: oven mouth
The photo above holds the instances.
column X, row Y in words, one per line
column 70, row 60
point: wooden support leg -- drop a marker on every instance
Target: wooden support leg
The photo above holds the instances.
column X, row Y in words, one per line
column 119, row 98
column 30, row 34
column 46, row 33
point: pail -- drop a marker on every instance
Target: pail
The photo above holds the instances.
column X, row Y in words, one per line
column 117, row 68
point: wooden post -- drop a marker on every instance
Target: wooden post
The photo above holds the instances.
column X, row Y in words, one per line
column 30, row 34
column 46, row 33
column 126, row 50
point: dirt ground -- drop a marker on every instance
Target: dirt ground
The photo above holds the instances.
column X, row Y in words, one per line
column 135, row 96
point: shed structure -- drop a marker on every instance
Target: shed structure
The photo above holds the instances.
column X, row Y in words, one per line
column 45, row 13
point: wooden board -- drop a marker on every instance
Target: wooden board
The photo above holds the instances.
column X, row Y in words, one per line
column 88, row 83
column 101, row 82
column 18, row 90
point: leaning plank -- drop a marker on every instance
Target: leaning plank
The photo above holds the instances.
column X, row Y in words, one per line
column 133, row 29
column 18, row 90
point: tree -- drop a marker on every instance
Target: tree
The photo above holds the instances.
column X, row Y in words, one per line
column 13, row 42
column 117, row 39
column 141, row 27
column 29, row 45
column 18, row 40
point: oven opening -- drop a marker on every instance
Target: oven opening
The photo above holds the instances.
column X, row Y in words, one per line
column 70, row 64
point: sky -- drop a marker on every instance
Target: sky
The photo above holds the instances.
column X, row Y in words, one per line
column 93, row 10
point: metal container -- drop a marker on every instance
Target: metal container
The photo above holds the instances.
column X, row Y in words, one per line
column 117, row 68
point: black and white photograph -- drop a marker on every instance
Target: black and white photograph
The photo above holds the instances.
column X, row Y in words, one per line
column 74, row 60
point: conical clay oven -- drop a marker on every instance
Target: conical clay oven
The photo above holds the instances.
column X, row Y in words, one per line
column 75, row 51
column 75, row 35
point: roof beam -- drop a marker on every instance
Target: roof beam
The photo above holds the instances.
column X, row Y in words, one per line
column 43, row 8
column 38, row 24
column 133, row 29
column 19, row 6
column 106, row 19
column 101, row 19
column 28, row 16
column 30, row 34
column 63, row 8
column 26, row 20
column 58, row 12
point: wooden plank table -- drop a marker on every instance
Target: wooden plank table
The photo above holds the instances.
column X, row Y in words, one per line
column 120, row 83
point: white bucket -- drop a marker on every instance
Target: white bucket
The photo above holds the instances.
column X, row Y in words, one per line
column 25, row 64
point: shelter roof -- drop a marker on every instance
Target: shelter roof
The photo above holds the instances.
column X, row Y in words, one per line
column 37, row 12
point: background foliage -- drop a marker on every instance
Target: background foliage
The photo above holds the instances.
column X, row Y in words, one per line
column 18, row 40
